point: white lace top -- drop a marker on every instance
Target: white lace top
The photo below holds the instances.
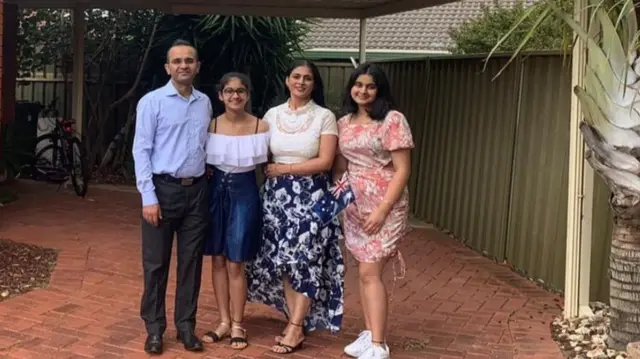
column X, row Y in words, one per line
column 237, row 154
column 295, row 134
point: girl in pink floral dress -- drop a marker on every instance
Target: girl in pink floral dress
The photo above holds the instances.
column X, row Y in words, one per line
column 375, row 143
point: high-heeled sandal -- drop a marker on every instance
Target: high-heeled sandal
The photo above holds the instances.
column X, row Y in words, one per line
column 287, row 348
column 279, row 338
column 284, row 334
column 238, row 340
column 215, row 336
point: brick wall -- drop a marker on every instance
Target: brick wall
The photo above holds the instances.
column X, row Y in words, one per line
column 8, row 60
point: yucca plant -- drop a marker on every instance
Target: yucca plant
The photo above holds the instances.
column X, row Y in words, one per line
column 262, row 47
column 611, row 127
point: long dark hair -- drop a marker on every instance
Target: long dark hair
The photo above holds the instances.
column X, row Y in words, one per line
column 317, row 94
column 383, row 102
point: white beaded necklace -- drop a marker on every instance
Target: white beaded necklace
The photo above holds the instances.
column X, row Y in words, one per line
column 291, row 123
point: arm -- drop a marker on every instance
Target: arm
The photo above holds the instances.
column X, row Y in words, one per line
column 263, row 126
column 146, row 123
column 326, row 153
column 340, row 165
column 397, row 139
column 322, row 163
column 402, row 163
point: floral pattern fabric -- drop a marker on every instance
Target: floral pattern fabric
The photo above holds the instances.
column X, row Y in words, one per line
column 307, row 251
column 367, row 148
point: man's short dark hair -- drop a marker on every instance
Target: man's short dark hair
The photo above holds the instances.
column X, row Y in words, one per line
column 181, row 42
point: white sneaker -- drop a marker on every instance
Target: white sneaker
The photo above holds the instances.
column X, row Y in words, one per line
column 360, row 345
column 376, row 352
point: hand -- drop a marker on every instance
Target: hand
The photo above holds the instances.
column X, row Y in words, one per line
column 151, row 214
column 374, row 222
column 209, row 172
column 274, row 170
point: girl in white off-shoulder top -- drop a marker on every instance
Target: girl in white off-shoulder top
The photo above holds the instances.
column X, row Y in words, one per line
column 299, row 268
column 237, row 143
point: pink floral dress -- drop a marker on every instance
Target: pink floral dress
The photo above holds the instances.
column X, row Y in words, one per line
column 367, row 148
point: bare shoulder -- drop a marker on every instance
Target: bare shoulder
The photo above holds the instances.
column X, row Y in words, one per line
column 212, row 125
column 263, row 126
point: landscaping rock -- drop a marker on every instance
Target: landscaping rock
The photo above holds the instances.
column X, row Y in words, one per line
column 24, row 267
column 587, row 337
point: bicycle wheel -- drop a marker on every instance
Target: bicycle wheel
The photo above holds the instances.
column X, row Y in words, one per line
column 78, row 167
column 50, row 153
column 49, row 165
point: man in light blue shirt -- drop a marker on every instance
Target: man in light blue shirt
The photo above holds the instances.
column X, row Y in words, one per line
column 169, row 155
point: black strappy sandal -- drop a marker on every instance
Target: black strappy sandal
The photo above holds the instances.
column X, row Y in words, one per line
column 287, row 348
column 213, row 337
column 283, row 334
column 238, row 340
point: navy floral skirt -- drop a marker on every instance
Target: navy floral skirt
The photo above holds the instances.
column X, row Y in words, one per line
column 305, row 250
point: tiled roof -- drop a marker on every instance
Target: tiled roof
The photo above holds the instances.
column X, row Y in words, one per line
column 425, row 29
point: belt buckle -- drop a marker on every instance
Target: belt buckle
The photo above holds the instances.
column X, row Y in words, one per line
column 186, row 181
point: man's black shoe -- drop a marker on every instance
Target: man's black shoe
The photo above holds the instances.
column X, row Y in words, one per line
column 190, row 341
column 153, row 344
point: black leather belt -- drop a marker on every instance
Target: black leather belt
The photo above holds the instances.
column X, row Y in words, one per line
column 188, row 181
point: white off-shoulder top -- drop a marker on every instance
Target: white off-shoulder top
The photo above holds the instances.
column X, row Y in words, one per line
column 237, row 154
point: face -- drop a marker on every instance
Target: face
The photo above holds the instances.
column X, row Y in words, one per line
column 182, row 64
column 364, row 90
column 234, row 95
column 300, row 82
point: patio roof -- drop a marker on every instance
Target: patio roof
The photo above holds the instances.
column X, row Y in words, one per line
column 286, row 8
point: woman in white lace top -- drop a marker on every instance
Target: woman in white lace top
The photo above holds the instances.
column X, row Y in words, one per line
column 299, row 268
column 238, row 141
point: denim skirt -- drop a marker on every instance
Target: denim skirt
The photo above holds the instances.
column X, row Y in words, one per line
column 236, row 216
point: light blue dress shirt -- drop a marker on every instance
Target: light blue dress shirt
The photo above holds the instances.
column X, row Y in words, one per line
column 171, row 133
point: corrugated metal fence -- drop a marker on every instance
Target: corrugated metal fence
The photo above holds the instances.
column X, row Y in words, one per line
column 491, row 159
column 491, row 156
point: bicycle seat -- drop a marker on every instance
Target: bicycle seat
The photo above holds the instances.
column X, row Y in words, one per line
column 67, row 125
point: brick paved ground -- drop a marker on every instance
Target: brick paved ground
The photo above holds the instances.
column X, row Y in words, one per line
column 453, row 303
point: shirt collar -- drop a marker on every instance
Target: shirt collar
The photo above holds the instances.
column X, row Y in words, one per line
column 170, row 90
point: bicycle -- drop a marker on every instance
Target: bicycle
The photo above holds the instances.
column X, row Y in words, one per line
column 61, row 155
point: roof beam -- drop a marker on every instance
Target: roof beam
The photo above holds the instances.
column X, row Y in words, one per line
column 392, row 7
column 199, row 8
column 249, row 10
column 285, row 8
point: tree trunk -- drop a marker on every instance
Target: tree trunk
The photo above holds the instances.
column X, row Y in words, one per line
column 624, row 274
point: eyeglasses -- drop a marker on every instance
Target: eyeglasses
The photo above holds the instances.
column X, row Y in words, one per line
column 240, row 91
